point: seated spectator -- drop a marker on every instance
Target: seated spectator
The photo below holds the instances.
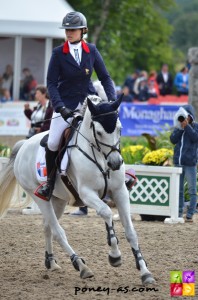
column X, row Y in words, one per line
column 143, row 90
column 181, row 81
column 127, row 96
column 130, row 81
column 165, row 81
column 6, row 97
column 143, row 77
column 7, row 79
column 41, row 115
column 28, row 85
column 153, row 88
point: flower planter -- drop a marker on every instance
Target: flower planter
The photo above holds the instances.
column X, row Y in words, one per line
column 156, row 192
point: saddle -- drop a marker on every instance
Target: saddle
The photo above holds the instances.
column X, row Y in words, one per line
column 63, row 145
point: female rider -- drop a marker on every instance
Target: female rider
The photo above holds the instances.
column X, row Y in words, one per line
column 69, row 82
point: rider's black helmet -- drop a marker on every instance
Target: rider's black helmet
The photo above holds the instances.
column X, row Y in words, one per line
column 74, row 20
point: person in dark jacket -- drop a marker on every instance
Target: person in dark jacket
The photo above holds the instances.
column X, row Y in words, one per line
column 185, row 139
column 40, row 116
column 69, row 82
column 165, row 81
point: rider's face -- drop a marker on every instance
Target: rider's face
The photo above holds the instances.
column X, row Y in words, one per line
column 73, row 35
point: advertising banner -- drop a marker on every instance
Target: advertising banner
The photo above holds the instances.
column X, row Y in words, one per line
column 143, row 118
column 135, row 118
column 12, row 119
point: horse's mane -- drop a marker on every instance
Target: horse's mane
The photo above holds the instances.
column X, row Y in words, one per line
column 95, row 99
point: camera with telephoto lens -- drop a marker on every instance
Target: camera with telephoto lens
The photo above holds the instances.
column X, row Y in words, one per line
column 181, row 118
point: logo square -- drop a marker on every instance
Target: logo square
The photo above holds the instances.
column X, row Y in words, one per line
column 188, row 276
column 176, row 289
column 176, row 277
column 188, row 289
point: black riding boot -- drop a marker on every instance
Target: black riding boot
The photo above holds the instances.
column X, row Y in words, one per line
column 46, row 190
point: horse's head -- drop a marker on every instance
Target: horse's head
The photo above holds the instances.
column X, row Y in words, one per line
column 106, row 129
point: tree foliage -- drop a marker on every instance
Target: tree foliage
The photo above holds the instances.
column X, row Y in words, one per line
column 129, row 34
column 184, row 18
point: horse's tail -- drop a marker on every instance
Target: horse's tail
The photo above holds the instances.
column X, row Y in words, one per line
column 8, row 180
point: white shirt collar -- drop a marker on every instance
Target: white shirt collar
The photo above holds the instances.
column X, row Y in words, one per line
column 75, row 46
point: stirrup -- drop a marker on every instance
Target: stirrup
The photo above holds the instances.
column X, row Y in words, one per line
column 132, row 179
column 36, row 192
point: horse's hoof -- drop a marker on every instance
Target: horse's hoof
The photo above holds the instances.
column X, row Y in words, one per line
column 54, row 266
column 115, row 261
column 148, row 279
column 86, row 273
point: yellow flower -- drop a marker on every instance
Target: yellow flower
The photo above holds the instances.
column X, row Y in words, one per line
column 134, row 153
column 157, row 157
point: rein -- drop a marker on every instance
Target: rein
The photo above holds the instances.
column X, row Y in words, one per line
column 98, row 148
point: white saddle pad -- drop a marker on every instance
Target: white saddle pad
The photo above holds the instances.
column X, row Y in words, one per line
column 41, row 170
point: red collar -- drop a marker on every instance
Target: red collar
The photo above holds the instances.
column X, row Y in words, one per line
column 84, row 46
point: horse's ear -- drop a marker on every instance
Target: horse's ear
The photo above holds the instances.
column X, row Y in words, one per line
column 117, row 103
column 91, row 106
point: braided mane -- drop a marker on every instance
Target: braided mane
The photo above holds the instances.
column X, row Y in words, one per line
column 95, row 99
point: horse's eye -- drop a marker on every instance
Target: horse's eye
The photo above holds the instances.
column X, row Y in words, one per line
column 99, row 133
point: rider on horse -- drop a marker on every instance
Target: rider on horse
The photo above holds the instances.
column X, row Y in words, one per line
column 69, row 82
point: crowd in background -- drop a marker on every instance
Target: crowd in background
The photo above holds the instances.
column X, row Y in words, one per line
column 139, row 86
column 27, row 85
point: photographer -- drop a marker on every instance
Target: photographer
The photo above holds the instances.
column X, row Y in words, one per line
column 185, row 139
column 43, row 111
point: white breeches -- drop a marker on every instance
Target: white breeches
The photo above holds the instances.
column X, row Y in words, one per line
column 57, row 126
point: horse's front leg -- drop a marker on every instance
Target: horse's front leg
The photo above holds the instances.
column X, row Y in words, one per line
column 121, row 198
column 53, row 230
column 92, row 200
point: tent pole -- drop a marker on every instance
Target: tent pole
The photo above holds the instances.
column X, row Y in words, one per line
column 17, row 67
column 48, row 53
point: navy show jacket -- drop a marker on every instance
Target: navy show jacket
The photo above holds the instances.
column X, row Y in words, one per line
column 69, row 83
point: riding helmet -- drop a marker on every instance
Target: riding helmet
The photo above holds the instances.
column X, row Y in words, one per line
column 74, row 20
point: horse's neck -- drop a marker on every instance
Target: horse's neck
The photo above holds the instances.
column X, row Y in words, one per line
column 85, row 129
column 85, row 138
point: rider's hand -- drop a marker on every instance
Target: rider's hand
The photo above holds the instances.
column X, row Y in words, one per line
column 66, row 112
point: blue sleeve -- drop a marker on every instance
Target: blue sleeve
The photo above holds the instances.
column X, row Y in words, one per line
column 52, row 81
column 176, row 135
column 104, row 76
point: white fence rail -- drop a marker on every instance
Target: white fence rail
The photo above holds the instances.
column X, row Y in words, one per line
column 156, row 191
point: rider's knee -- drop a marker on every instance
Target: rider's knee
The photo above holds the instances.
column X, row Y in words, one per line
column 52, row 146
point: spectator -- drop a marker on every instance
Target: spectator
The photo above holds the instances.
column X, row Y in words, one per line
column 7, row 79
column 153, row 88
column 127, row 96
column 143, row 90
column 41, row 114
column 130, row 81
column 165, row 81
column 6, row 97
column 181, row 81
column 137, row 87
column 28, row 85
column 185, row 139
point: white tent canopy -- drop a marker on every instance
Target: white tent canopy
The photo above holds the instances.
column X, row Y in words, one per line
column 22, row 19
